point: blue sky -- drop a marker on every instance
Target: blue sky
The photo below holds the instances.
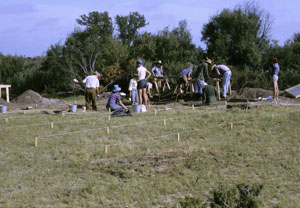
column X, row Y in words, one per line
column 29, row 27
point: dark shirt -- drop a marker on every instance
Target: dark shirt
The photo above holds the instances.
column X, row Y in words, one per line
column 202, row 71
column 275, row 69
column 209, row 95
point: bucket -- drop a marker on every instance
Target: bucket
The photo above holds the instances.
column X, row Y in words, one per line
column 136, row 108
column 73, row 108
column 3, row 108
column 143, row 108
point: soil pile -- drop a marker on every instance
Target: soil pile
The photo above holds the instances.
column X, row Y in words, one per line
column 250, row 94
column 30, row 97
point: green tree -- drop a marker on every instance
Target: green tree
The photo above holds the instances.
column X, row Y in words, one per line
column 129, row 25
column 239, row 36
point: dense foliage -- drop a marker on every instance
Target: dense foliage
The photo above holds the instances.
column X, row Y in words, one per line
column 239, row 38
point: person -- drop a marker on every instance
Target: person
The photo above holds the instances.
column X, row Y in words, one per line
column 274, row 71
column 201, row 76
column 142, row 82
column 133, row 90
column 91, row 90
column 114, row 101
column 149, row 90
column 225, row 72
column 157, row 72
column 209, row 94
column 184, row 78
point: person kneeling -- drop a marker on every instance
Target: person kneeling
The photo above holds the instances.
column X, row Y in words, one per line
column 114, row 101
column 209, row 96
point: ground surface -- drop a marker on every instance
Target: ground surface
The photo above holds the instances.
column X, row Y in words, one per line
column 151, row 159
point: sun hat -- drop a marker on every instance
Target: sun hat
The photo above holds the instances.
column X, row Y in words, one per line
column 159, row 62
column 116, row 88
column 208, row 60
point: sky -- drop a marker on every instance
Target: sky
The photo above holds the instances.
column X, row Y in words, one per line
column 29, row 27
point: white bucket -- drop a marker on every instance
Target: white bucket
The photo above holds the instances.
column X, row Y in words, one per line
column 143, row 109
column 3, row 108
column 136, row 108
column 73, row 108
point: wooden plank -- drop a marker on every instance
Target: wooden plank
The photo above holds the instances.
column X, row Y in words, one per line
column 294, row 91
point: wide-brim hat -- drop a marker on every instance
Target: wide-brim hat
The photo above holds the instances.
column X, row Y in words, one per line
column 208, row 61
column 159, row 62
column 116, row 88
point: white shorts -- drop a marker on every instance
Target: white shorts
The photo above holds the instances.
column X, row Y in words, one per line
column 275, row 78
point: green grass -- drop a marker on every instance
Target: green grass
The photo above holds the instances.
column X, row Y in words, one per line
column 145, row 165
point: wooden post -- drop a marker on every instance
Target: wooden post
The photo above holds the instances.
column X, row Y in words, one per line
column 225, row 102
column 165, row 122
column 51, row 125
column 107, row 130
column 218, row 89
column 6, row 120
column 36, row 105
column 109, row 110
column 63, row 114
column 35, row 141
column 178, row 137
column 106, row 149
column 109, row 117
column 193, row 107
column 247, row 105
column 231, row 126
column 155, row 113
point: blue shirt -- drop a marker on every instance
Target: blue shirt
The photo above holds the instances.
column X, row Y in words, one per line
column 221, row 69
column 186, row 72
column 113, row 98
column 157, row 71
column 275, row 69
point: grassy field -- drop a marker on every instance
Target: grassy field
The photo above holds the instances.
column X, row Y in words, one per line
column 141, row 162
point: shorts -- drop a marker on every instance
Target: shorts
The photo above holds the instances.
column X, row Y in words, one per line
column 149, row 85
column 142, row 84
column 274, row 78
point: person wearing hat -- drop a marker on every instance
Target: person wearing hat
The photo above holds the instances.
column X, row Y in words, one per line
column 274, row 71
column 142, row 82
column 184, row 78
column 225, row 72
column 200, row 76
column 114, row 101
column 91, row 90
column 157, row 72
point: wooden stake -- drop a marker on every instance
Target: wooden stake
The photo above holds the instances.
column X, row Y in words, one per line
column 106, row 149
column 231, row 126
column 247, row 105
column 225, row 102
column 63, row 114
column 193, row 107
column 155, row 113
column 6, row 120
column 75, row 101
column 36, row 106
column 178, row 137
column 51, row 125
column 107, row 130
column 109, row 118
column 35, row 141
column 109, row 110
column 165, row 122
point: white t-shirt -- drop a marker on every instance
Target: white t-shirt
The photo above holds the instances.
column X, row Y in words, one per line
column 91, row 82
column 142, row 72
column 132, row 84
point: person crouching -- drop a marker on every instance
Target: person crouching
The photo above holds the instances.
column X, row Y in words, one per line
column 114, row 101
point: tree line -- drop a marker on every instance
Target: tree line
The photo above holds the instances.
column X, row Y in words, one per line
column 238, row 37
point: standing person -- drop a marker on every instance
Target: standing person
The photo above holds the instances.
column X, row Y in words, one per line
column 157, row 72
column 91, row 90
column 225, row 72
column 133, row 90
column 274, row 71
column 201, row 76
column 184, row 78
column 142, row 82
column 114, row 101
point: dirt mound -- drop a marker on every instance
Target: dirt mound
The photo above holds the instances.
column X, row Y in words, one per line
column 30, row 97
column 250, row 94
